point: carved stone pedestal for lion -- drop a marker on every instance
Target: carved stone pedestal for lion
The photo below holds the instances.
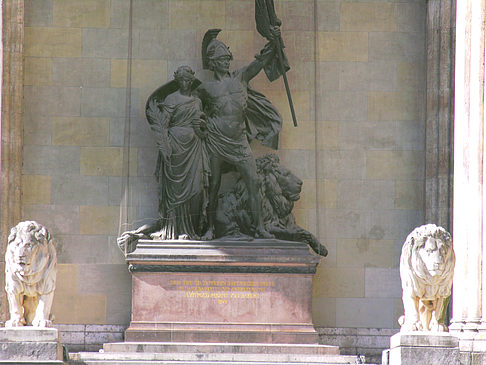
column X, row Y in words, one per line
column 217, row 291
column 30, row 345
column 413, row 348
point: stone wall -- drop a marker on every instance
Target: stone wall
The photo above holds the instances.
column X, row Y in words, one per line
column 371, row 100
column 358, row 84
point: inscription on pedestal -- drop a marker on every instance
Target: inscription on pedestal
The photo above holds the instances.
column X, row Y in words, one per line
column 221, row 291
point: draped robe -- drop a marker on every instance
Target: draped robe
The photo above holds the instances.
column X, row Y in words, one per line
column 182, row 171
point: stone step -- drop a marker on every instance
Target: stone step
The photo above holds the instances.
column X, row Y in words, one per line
column 220, row 348
column 31, row 362
column 125, row 358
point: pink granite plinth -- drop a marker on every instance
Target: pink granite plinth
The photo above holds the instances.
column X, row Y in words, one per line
column 219, row 292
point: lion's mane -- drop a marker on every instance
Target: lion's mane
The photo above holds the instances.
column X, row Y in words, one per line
column 277, row 208
column 278, row 189
column 413, row 271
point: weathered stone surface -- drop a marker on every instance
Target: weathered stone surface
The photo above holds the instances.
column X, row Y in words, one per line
column 360, row 194
column 342, row 282
column 103, row 102
column 85, row 72
column 379, row 312
column 37, row 130
column 364, row 76
column 343, row 46
column 394, row 106
column 151, row 14
column 143, row 72
column 61, row 218
column 236, row 17
column 148, row 44
column 395, row 46
column 52, row 101
column 342, row 164
column 38, row 13
column 81, row 14
column 111, row 281
column 342, row 223
column 343, row 106
column 38, row 71
column 52, row 42
column 29, row 334
column 422, row 348
column 382, row 283
column 365, row 252
column 370, row 17
column 381, row 222
column 421, row 339
column 105, row 161
column 299, row 16
column 30, row 351
column 71, row 308
column 51, row 160
column 104, row 43
column 410, row 16
column 37, row 189
column 394, row 164
column 409, row 194
column 79, row 190
column 99, row 219
column 77, row 131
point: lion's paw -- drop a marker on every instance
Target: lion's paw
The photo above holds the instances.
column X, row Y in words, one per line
column 262, row 233
column 41, row 322
column 15, row 322
column 209, row 235
column 411, row 326
column 439, row 327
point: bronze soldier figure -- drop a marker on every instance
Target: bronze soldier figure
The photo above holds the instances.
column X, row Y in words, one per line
column 235, row 113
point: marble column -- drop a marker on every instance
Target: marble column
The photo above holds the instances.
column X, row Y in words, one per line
column 469, row 298
column 440, row 112
column 12, row 73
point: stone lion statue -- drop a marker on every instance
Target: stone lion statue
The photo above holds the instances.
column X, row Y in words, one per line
column 279, row 189
column 426, row 270
column 30, row 275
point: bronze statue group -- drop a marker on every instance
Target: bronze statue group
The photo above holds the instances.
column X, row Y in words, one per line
column 204, row 128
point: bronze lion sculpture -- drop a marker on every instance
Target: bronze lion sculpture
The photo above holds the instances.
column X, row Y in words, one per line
column 279, row 190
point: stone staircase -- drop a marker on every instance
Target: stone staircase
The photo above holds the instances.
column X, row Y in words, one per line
column 150, row 353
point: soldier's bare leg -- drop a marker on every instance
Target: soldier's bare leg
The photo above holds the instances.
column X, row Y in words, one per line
column 214, row 185
column 248, row 173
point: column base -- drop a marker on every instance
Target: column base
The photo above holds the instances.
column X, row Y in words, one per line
column 469, row 325
column 412, row 348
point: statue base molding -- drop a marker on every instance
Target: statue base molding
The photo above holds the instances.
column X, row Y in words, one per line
column 412, row 348
column 30, row 344
column 222, row 291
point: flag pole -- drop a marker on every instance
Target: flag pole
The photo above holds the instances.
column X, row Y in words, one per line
column 286, row 83
column 279, row 44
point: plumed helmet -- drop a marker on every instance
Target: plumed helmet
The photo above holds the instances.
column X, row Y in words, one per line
column 217, row 49
column 213, row 48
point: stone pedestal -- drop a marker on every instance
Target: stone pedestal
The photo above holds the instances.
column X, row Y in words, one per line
column 424, row 348
column 217, row 291
column 30, row 344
